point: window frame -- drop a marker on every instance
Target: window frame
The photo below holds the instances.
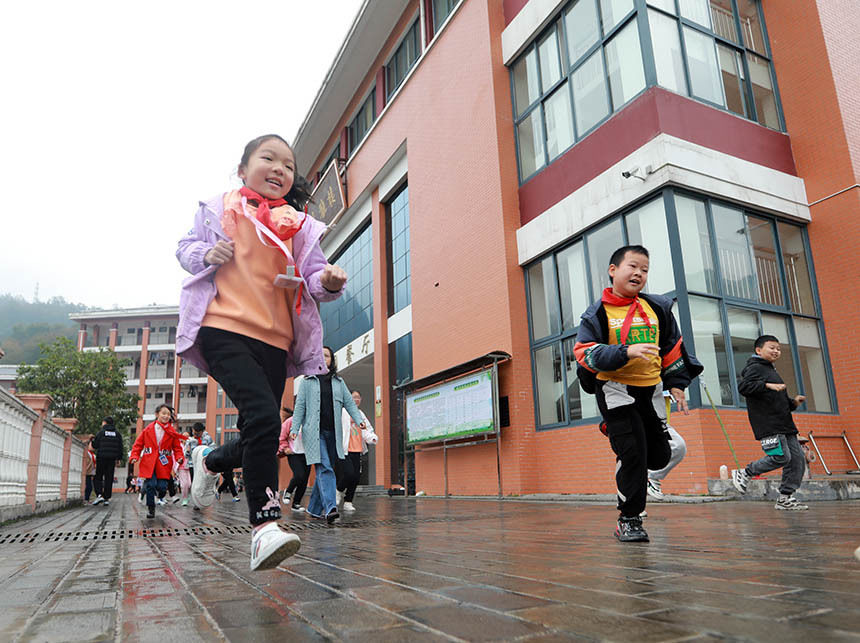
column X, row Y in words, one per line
column 681, row 296
column 352, row 143
column 389, row 243
column 640, row 15
column 414, row 32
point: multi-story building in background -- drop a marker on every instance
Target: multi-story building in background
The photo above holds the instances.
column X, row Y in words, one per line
column 147, row 337
column 495, row 152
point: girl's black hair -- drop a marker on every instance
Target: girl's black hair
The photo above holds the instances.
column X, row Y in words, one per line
column 300, row 194
column 332, row 370
column 164, row 406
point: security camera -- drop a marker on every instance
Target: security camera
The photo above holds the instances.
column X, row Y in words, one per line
column 633, row 172
column 626, row 175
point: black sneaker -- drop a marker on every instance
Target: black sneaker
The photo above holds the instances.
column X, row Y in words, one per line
column 150, row 512
column 331, row 516
column 630, row 530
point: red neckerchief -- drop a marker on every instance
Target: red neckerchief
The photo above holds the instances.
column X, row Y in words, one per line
column 612, row 299
column 264, row 216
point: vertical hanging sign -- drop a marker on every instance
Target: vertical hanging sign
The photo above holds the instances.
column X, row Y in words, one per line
column 328, row 199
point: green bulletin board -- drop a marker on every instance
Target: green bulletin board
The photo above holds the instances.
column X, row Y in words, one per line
column 455, row 409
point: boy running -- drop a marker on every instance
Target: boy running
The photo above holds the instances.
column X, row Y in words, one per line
column 769, row 408
column 628, row 349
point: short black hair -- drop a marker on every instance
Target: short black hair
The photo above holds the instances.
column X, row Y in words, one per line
column 108, row 420
column 618, row 256
column 764, row 339
column 198, row 426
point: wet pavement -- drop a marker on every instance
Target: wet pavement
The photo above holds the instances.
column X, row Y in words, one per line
column 434, row 569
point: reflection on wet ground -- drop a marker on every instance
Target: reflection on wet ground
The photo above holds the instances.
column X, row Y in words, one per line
column 434, row 569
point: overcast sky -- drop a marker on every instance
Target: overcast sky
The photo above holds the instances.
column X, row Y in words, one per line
column 119, row 117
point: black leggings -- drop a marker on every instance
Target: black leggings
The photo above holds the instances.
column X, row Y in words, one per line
column 349, row 471
column 252, row 374
column 227, row 484
column 299, row 482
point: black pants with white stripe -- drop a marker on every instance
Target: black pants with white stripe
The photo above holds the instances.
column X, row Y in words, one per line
column 636, row 424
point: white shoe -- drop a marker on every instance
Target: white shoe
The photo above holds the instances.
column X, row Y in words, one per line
column 348, row 506
column 140, row 498
column 98, row 500
column 286, row 498
column 160, row 502
column 340, row 495
column 298, row 509
column 270, row 545
column 740, row 479
column 176, row 498
column 205, row 483
column 655, row 489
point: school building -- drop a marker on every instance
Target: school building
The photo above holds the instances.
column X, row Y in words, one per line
column 493, row 153
column 146, row 337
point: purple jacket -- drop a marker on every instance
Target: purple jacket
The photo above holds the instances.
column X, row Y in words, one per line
column 305, row 356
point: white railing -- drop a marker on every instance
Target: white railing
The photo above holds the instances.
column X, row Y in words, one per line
column 50, row 463
column 76, row 470
column 16, row 425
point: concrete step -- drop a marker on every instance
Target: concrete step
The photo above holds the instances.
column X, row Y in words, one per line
column 371, row 490
column 835, row 487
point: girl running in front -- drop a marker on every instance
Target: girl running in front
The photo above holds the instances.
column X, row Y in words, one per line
column 248, row 316
column 157, row 446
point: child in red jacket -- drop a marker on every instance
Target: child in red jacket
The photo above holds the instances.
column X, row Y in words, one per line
column 157, row 446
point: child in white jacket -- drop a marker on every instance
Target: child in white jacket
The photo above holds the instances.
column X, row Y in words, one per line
column 355, row 441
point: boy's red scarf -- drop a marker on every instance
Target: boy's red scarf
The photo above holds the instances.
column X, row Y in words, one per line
column 264, row 216
column 612, row 299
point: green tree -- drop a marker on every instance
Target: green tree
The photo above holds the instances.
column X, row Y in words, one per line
column 87, row 385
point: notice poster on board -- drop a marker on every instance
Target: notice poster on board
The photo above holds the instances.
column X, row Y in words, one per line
column 455, row 409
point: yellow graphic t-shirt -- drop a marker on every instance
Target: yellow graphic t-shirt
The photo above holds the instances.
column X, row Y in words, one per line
column 636, row 372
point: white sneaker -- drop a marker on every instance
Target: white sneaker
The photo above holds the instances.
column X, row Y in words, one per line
column 740, row 480
column 176, row 498
column 655, row 489
column 340, row 495
column 139, row 499
column 98, row 500
column 286, row 498
column 270, row 545
column 160, row 502
column 298, row 509
column 348, row 506
column 205, row 483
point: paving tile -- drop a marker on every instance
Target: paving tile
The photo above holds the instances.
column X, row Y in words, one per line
column 273, row 633
column 83, row 602
column 493, row 598
column 346, row 614
column 403, row 634
column 239, row 613
column 194, row 629
column 473, row 624
column 594, row 623
column 397, row 598
column 81, row 626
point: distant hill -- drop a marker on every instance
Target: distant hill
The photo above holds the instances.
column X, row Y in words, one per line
column 24, row 325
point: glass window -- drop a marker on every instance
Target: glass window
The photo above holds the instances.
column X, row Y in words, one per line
column 743, row 331
column 589, row 93
column 559, row 122
column 401, row 291
column 601, row 244
column 550, row 64
column 581, row 405
column 441, row 10
column 815, row 381
column 696, row 245
column 666, row 5
column 733, row 245
column 550, row 386
column 697, row 11
column 723, row 18
column 526, row 88
column 402, row 354
column 766, row 262
column 667, row 52
column 351, row 315
column 762, row 89
column 646, row 226
column 573, row 284
column 530, row 138
column 581, row 28
column 403, row 59
column 732, row 72
column 711, row 351
column 777, row 325
column 751, row 26
column 544, row 301
column 613, row 12
column 363, row 120
column 702, row 63
column 624, row 65
column 796, row 267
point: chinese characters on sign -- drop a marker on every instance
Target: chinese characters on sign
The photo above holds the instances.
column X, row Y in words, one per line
column 328, row 197
column 358, row 349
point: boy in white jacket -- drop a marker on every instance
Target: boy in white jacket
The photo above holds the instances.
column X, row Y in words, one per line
column 355, row 441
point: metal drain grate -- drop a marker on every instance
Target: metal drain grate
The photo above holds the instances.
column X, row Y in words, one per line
column 207, row 530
